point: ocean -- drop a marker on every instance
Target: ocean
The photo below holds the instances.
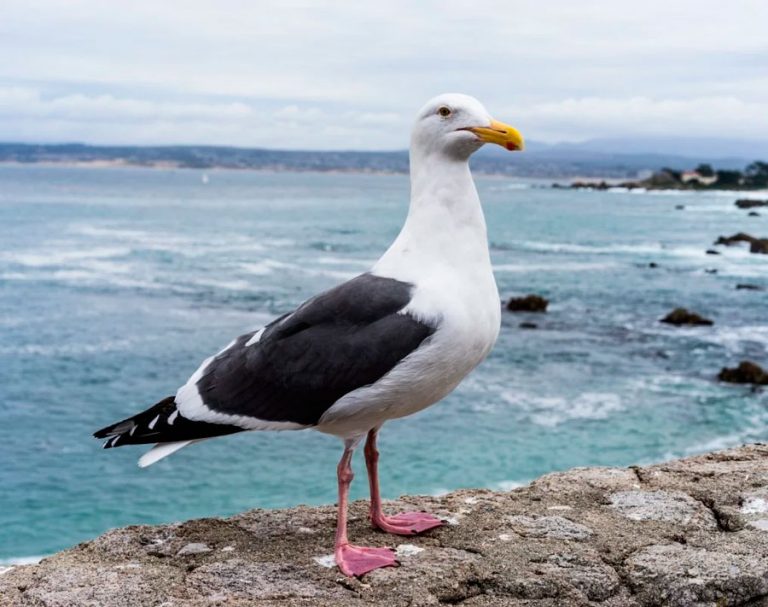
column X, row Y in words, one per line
column 116, row 283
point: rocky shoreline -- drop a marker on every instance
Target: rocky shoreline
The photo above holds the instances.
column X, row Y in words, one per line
column 690, row 532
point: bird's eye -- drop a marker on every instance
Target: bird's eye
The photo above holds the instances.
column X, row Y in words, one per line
column 444, row 111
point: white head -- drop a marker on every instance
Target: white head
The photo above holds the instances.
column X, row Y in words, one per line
column 458, row 125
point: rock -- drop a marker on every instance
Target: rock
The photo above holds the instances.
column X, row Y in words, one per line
column 756, row 245
column 711, row 271
column 712, row 252
column 528, row 325
column 669, row 506
column 735, row 239
column 529, row 303
column 746, row 203
column 685, row 533
column 193, row 548
column 679, row 207
column 676, row 574
column 746, row 373
column 590, row 185
column 749, row 287
column 753, row 214
column 681, row 316
column 653, row 265
column 553, row 527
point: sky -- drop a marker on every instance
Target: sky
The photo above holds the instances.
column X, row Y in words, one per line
column 352, row 75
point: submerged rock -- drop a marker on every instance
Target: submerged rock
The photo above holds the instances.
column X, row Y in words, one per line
column 753, row 214
column 713, row 252
column 746, row 373
column 749, row 287
column 529, row 303
column 735, row 239
column 528, row 325
column 690, row 532
column 681, row 316
column 746, row 203
column 756, row 245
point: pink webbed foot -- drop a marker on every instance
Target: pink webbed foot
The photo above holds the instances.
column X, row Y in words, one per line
column 407, row 523
column 357, row 560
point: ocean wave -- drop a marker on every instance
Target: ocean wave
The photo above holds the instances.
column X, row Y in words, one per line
column 345, row 261
column 67, row 349
column 569, row 247
column 62, row 256
column 510, row 186
column 228, row 285
column 734, row 338
column 697, row 193
column 754, row 431
column 7, row 564
column 178, row 243
column 656, row 249
column 508, row 485
column 552, row 411
column 554, row 267
column 268, row 266
column 84, row 278
column 731, row 338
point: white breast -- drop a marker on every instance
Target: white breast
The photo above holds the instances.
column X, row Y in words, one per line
column 467, row 315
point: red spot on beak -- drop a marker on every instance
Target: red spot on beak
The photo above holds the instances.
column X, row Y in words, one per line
column 511, row 146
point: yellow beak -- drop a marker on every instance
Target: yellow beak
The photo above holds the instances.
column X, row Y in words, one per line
column 501, row 134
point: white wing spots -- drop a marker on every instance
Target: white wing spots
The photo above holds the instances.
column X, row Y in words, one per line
column 133, row 429
column 172, row 417
column 151, row 425
column 256, row 337
column 160, row 451
column 227, row 347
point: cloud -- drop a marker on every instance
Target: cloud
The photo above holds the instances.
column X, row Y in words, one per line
column 350, row 74
column 720, row 117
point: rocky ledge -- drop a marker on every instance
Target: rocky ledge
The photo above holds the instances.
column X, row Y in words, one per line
column 687, row 532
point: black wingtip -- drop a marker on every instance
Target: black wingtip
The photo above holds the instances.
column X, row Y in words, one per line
column 103, row 433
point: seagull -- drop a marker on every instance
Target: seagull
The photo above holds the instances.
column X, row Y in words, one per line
column 380, row 346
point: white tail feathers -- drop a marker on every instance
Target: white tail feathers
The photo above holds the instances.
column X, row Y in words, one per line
column 161, row 450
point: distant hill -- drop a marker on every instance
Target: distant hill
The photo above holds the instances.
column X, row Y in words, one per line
column 596, row 158
column 705, row 149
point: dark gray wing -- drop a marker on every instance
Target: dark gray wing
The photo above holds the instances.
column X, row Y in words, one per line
column 341, row 340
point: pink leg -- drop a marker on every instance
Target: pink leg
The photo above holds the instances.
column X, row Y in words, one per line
column 354, row 560
column 406, row 523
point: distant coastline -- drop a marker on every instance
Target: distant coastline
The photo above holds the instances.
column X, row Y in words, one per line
column 704, row 177
column 539, row 162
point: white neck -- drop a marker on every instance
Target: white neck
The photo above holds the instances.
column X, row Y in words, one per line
column 445, row 224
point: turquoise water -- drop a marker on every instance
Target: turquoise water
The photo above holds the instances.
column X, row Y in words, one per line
column 115, row 284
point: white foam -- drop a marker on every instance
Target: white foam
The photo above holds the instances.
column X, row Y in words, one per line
column 22, row 560
column 229, row 285
column 555, row 266
column 345, row 261
column 62, row 256
column 508, row 485
column 268, row 266
column 552, row 411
